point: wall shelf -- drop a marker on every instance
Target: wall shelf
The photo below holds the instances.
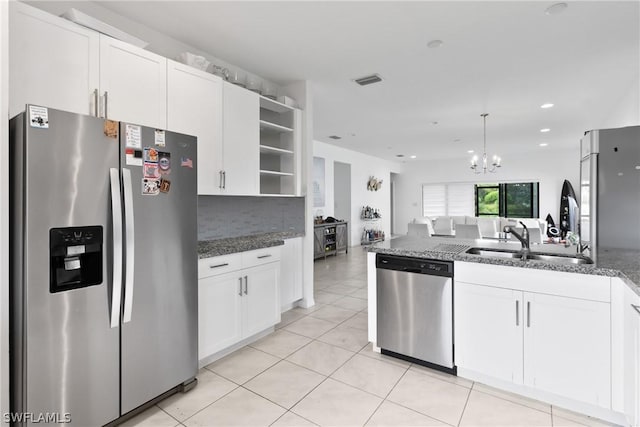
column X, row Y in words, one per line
column 275, row 106
column 280, row 133
column 273, row 150
column 274, row 173
column 268, row 126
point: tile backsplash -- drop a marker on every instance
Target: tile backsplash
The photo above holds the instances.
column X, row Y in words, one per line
column 220, row 217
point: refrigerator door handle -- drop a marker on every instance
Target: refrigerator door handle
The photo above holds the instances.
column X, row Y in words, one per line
column 130, row 245
column 116, row 213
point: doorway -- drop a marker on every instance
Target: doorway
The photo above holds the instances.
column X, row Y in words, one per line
column 342, row 191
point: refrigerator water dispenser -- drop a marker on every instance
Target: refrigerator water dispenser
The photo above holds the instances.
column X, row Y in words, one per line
column 75, row 258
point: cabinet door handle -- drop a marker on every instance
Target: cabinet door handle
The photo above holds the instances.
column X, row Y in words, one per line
column 220, row 181
column 96, row 101
column 528, row 314
column 264, row 256
column 240, row 286
column 517, row 313
column 106, row 100
column 219, row 265
column 224, row 179
column 636, row 308
column 246, row 285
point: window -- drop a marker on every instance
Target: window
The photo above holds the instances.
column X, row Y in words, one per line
column 488, row 200
column 453, row 199
column 510, row 200
column 521, row 200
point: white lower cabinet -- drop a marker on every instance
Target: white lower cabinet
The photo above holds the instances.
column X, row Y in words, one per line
column 261, row 298
column 238, row 297
column 488, row 330
column 631, row 354
column 567, row 347
column 555, row 344
column 219, row 313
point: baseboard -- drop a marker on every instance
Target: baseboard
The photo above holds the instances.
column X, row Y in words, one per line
column 550, row 398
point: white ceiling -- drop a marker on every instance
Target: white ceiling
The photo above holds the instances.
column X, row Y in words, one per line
column 503, row 58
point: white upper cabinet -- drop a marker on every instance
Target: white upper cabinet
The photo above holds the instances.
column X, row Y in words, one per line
column 53, row 62
column 241, row 136
column 247, row 144
column 58, row 64
column 133, row 84
column 194, row 107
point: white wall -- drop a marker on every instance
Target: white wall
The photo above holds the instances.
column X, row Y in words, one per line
column 362, row 167
column 627, row 110
column 4, row 210
column 550, row 168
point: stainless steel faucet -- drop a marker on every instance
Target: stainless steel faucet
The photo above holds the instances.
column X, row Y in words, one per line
column 524, row 239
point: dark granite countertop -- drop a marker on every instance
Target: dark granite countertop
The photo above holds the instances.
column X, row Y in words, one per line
column 609, row 262
column 211, row 248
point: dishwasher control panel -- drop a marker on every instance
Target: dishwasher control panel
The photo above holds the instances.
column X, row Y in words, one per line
column 415, row 265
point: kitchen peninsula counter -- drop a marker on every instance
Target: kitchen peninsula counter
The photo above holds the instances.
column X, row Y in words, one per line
column 217, row 247
column 610, row 262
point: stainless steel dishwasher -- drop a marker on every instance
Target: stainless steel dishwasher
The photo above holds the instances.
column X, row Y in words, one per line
column 415, row 310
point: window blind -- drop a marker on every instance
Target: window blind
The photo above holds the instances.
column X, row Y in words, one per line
column 448, row 199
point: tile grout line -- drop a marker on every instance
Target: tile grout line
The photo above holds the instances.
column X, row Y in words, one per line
column 384, row 399
column 224, row 395
column 466, row 402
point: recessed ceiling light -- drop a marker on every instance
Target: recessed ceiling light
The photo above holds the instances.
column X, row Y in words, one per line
column 545, row 130
column 548, row 105
column 433, row 44
column 470, row 151
column 555, row 9
column 399, row 155
column 543, row 144
column 413, row 157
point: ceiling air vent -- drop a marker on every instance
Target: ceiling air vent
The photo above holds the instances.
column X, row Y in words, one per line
column 363, row 81
column 335, row 137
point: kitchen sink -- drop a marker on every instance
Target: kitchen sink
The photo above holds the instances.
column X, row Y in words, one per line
column 535, row 256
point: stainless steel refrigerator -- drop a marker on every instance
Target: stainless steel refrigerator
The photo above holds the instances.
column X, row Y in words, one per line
column 610, row 189
column 103, row 267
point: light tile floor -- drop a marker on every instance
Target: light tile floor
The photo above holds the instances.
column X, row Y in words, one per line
column 317, row 368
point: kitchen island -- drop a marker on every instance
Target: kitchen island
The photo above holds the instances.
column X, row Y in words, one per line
column 563, row 333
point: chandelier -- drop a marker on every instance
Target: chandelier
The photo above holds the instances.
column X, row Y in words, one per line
column 495, row 164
